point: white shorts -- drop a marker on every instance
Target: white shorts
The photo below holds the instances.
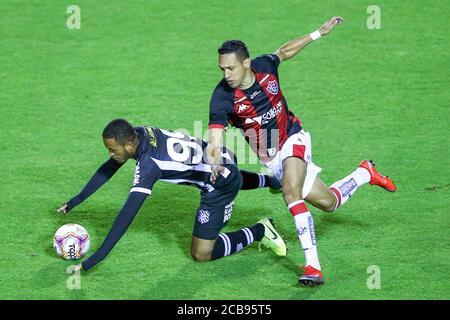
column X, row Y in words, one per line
column 298, row 145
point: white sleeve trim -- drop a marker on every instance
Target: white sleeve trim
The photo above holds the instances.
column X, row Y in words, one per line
column 142, row 190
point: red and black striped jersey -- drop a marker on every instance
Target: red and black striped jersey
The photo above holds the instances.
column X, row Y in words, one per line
column 260, row 111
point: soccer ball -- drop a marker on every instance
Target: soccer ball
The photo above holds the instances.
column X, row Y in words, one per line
column 71, row 241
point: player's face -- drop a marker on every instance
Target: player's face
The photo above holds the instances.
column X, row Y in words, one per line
column 117, row 151
column 233, row 69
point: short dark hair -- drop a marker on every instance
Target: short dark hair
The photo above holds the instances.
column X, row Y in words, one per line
column 120, row 130
column 235, row 46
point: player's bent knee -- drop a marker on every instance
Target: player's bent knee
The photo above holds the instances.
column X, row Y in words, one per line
column 200, row 254
column 201, row 249
column 328, row 209
column 327, row 204
column 200, row 257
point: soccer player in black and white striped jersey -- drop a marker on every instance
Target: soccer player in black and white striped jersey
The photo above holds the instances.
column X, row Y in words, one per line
column 163, row 155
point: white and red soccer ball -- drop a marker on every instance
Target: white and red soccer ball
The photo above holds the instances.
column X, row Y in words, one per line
column 71, row 241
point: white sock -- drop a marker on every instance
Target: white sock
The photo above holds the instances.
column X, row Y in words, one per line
column 305, row 231
column 345, row 188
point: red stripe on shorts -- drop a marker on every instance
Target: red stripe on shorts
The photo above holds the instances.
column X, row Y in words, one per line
column 299, row 151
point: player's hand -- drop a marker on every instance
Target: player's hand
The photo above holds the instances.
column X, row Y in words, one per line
column 330, row 24
column 63, row 209
column 78, row 267
column 215, row 170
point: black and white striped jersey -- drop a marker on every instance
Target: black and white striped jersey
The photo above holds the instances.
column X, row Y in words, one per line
column 173, row 157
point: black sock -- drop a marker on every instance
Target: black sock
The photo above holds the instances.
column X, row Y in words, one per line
column 253, row 180
column 231, row 242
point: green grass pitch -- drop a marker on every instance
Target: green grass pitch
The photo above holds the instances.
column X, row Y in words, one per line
column 380, row 94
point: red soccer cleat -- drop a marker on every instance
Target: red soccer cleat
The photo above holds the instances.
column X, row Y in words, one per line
column 311, row 277
column 376, row 178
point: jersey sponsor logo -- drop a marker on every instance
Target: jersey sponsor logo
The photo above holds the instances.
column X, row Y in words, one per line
column 272, row 87
column 137, row 174
column 151, row 136
column 203, row 216
column 254, row 94
column 228, row 212
column 242, row 107
column 271, row 152
column 267, row 116
column 272, row 113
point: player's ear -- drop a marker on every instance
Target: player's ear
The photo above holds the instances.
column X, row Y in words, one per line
column 247, row 63
column 129, row 146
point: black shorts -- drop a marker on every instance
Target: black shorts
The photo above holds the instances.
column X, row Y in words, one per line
column 216, row 206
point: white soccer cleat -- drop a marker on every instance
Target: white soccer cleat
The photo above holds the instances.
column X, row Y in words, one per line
column 272, row 238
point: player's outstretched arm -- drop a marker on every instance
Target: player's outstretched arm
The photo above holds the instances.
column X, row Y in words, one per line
column 100, row 177
column 291, row 48
column 118, row 229
column 213, row 152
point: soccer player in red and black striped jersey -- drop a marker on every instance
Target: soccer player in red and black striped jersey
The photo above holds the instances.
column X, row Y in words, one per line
column 249, row 97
